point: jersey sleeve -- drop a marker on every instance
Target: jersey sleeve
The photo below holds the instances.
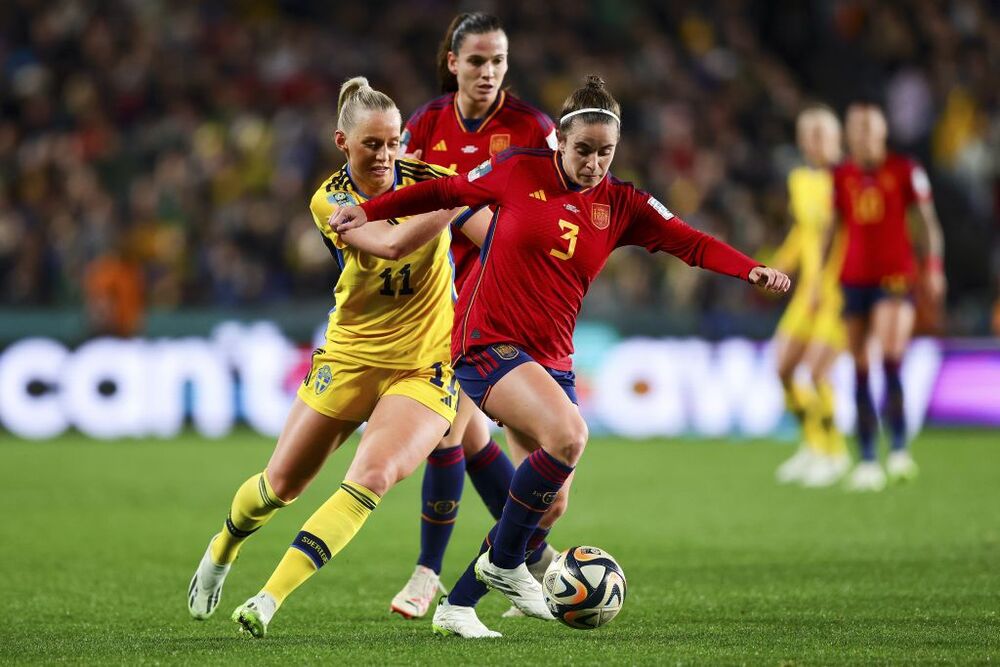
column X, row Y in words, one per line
column 323, row 205
column 482, row 186
column 654, row 227
column 546, row 132
column 918, row 186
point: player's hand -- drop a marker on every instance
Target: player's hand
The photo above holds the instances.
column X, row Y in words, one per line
column 347, row 217
column 416, row 155
column 770, row 279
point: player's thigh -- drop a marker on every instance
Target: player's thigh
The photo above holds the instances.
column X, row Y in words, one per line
column 788, row 351
column 306, row 440
column 401, row 433
column 892, row 323
column 477, row 431
column 530, row 401
column 465, row 415
column 820, row 358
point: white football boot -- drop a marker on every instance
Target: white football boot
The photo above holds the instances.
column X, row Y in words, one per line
column 254, row 614
column 205, row 590
column 826, row 471
column 901, row 466
column 537, row 570
column 454, row 621
column 418, row 593
column 516, row 584
column 866, row 476
column 794, row 468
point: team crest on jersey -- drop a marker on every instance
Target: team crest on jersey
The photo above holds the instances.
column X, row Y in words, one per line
column 506, row 351
column 480, row 171
column 324, row 376
column 600, row 215
column 499, row 143
column 660, row 208
column 342, row 199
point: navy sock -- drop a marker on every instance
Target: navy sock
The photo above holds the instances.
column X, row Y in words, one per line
column 444, row 477
column 468, row 590
column 894, row 413
column 534, row 487
column 536, row 545
column 491, row 472
column 867, row 421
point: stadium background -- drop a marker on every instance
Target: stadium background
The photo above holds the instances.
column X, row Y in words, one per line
column 160, row 155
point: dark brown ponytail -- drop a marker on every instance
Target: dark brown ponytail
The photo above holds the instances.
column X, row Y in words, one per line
column 592, row 95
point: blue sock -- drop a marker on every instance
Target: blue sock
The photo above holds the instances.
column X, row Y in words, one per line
column 444, row 477
column 867, row 421
column 894, row 413
column 534, row 487
column 468, row 590
column 491, row 472
column 536, row 545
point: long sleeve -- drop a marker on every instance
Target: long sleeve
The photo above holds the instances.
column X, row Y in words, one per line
column 655, row 228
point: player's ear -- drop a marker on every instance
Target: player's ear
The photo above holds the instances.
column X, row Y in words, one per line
column 560, row 141
column 340, row 139
column 453, row 63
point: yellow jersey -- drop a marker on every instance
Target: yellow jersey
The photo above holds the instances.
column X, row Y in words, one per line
column 387, row 314
column 810, row 194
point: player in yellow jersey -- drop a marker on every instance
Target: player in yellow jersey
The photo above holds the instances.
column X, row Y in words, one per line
column 811, row 333
column 385, row 361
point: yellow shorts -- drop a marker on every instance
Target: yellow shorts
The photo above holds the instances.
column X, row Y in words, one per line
column 348, row 390
column 824, row 326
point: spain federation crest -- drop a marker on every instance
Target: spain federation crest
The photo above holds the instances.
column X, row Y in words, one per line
column 506, row 351
column 600, row 215
column 499, row 143
column 324, row 376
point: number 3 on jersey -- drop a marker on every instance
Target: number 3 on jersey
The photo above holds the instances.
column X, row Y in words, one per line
column 570, row 235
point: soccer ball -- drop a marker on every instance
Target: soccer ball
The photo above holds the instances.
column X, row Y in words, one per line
column 584, row 587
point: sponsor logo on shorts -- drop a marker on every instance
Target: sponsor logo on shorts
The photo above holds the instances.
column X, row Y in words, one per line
column 505, row 351
column 600, row 215
column 324, row 376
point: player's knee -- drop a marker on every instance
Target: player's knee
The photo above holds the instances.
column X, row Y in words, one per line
column 567, row 441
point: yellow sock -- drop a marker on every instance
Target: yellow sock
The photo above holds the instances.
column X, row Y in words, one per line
column 800, row 400
column 322, row 537
column 253, row 505
column 834, row 442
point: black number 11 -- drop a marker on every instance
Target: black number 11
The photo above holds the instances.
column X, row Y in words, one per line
column 404, row 288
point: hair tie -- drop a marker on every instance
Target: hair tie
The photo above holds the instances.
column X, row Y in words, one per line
column 590, row 110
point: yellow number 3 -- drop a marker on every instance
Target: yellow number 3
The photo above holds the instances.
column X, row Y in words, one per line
column 570, row 235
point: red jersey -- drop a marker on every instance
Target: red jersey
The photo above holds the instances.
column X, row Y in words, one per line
column 548, row 239
column 448, row 140
column 872, row 205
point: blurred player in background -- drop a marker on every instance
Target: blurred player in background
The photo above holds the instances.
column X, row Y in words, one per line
column 386, row 361
column 474, row 120
column 811, row 332
column 559, row 215
column 874, row 190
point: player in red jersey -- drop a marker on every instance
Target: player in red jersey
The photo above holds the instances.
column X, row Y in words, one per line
column 474, row 120
column 874, row 190
column 558, row 217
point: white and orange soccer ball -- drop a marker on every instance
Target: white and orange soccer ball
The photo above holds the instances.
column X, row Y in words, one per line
column 584, row 587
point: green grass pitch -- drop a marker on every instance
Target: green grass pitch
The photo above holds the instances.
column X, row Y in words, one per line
column 98, row 542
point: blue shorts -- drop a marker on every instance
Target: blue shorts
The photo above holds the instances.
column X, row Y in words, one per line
column 483, row 367
column 859, row 301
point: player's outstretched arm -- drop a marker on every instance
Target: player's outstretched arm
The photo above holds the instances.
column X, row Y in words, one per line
column 933, row 259
column 392, row 241
column 478, row 226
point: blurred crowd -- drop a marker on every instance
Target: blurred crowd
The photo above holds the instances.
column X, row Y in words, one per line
column 162, row 154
